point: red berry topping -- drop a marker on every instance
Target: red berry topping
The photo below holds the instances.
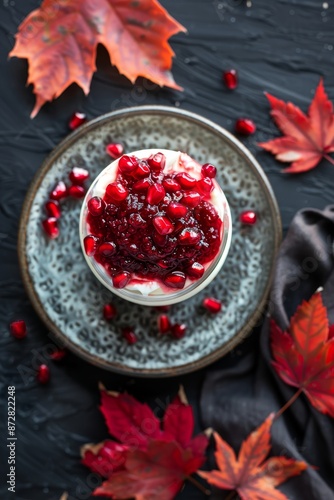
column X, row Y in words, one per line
column 116, row 191
column 107, row 249
column 78, row 175
column 59, row 191
column 196, row 270
column 248, row 217
column 205, row 185
column 50, row 227
column 143, row 170
column 230, row 79
column 155, row 194
column 171, row 185
column 58, row 355
column 176, row 211
column 121, row 279
column 91, row 244
column 157, row 161
column 245, row 126
column 53, row 209
column 129, row 335
column 127, row 164
column 109, row 312
column 163, row 225
column 179, row 331
column 164, row 324
column 96, row 206
column 189, row 236
column 191, row 199
column 142, row 185
column 186, row 180
column 43, row 374
column 176, row 279
column 18, row 329
column 212, row 305
column 209, row 170
column 77, row 120
column 115, row 150
column 76, row 191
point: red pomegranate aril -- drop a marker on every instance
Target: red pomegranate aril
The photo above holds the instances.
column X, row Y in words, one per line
column 78, row 175
column 96, row 206
column 127, row 164
column 155, row 194
column 137, row 221
column 115, row 150
column 58, row 355
column 196, row 270
column 176, row 279
column 186, row 180
column 230, row 79
column 141, row 171
column 116, row 191
column 245, row 126
column 176, row 211
column 43, row 374
column 164, row 324
column 53, row 209
column 248, row 217
column 129, row 335
column 209, row 170
column 189, row 236
column 157, row 161
column 91, row 244
column 108, row 248
column 191, row 199
column 59, row 191
column 205, row 185
column 179, row 330
column 171, row 185
column 77, row 120
column 76, row 191
column 212, row 305
column 121, row 279
column 163, row 225
column 142, row 185
column 18, row 329
column 50, row 227
column 109, row 312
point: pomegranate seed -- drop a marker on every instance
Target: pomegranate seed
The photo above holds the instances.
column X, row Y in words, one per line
column 58, row 355
column 53, row 209
column 90, row 244
column 196, row 270
column 143, row 170
column 205, row 185
column 186, row 180
column 115, row 150
column 120, row 280
column 77, row 120
column 127, row 164
column 230, row 79
column 96, row 206
column 176, row 279
column 136, row 220
column 109, row 312
column 43, row 374
column 171, row 185
column 245, row 126
column 59, row 191
column 157, row 161
column 212, row 305
column 164, row 324
column 18, row 329
column 116, row 191
column 209, row 170
column 156, row 193
column 107, row 248
column 142, row 185
column 248, row 217
column 179, row 331
column 191, row 199
column 163, row 225
column 78, row 175
column 175, row 210
column 129, row 335
column 50, row 226
column 76, row 191
column 189, row 236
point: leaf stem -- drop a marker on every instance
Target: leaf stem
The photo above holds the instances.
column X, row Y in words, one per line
column 328, row 158
column 288, row 403
column 198, row 485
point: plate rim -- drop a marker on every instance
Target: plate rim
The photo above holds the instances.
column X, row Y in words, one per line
column 22, row 237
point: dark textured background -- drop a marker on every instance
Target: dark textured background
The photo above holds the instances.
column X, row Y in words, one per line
column 280, row 46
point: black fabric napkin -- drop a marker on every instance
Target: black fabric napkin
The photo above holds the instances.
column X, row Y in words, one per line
column 235, row 401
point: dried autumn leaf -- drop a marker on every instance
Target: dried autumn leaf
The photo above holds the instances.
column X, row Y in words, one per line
column 60, row 38
column 307, row 139
column 304, row 355
column 253, row 477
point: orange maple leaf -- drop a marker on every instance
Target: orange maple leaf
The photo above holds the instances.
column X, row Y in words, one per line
column 307, row 139
column 251, row 475
column 60, row 39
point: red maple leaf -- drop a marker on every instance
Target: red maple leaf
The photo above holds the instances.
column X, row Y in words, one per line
column 304, row 355
column 251, row 475
column 307, row 139
column 60, row 38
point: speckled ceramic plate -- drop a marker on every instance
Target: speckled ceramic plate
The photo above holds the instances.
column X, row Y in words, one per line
column 68, row 297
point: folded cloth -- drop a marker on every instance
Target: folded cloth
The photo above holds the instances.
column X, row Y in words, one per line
column 236, row 400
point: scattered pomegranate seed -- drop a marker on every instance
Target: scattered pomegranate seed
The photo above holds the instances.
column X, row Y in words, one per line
column 163, row 225
column 109, row 312
column 137, row 221
column 209, row 170
column 76, row 191
column 179, row 330
column 157, row 161
column 129, row 335
column 205, row 185
column 59, row 191
column 127, row 164
column 53, row 209
column 116, row 191
column 96, row 206
column 176, row 211
column 77, row 120
column 43, row 374
column 230, row 79
column 90, row 244
column 78, row 175
column 142, row 185
column 120, row 280
column 212, row 305
column 143, row 170
column 189, row 236
column 164, row 324
column 176, row 279
column 58, row 355
column 115, row 150
column 107, row 248
column 186, row 180
column 50, row 227
column 248, row 217
column 191, row 199
column 245, row 126
column 18, row 329
column 196, row 270
column 171, row 185
column 155, row 194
